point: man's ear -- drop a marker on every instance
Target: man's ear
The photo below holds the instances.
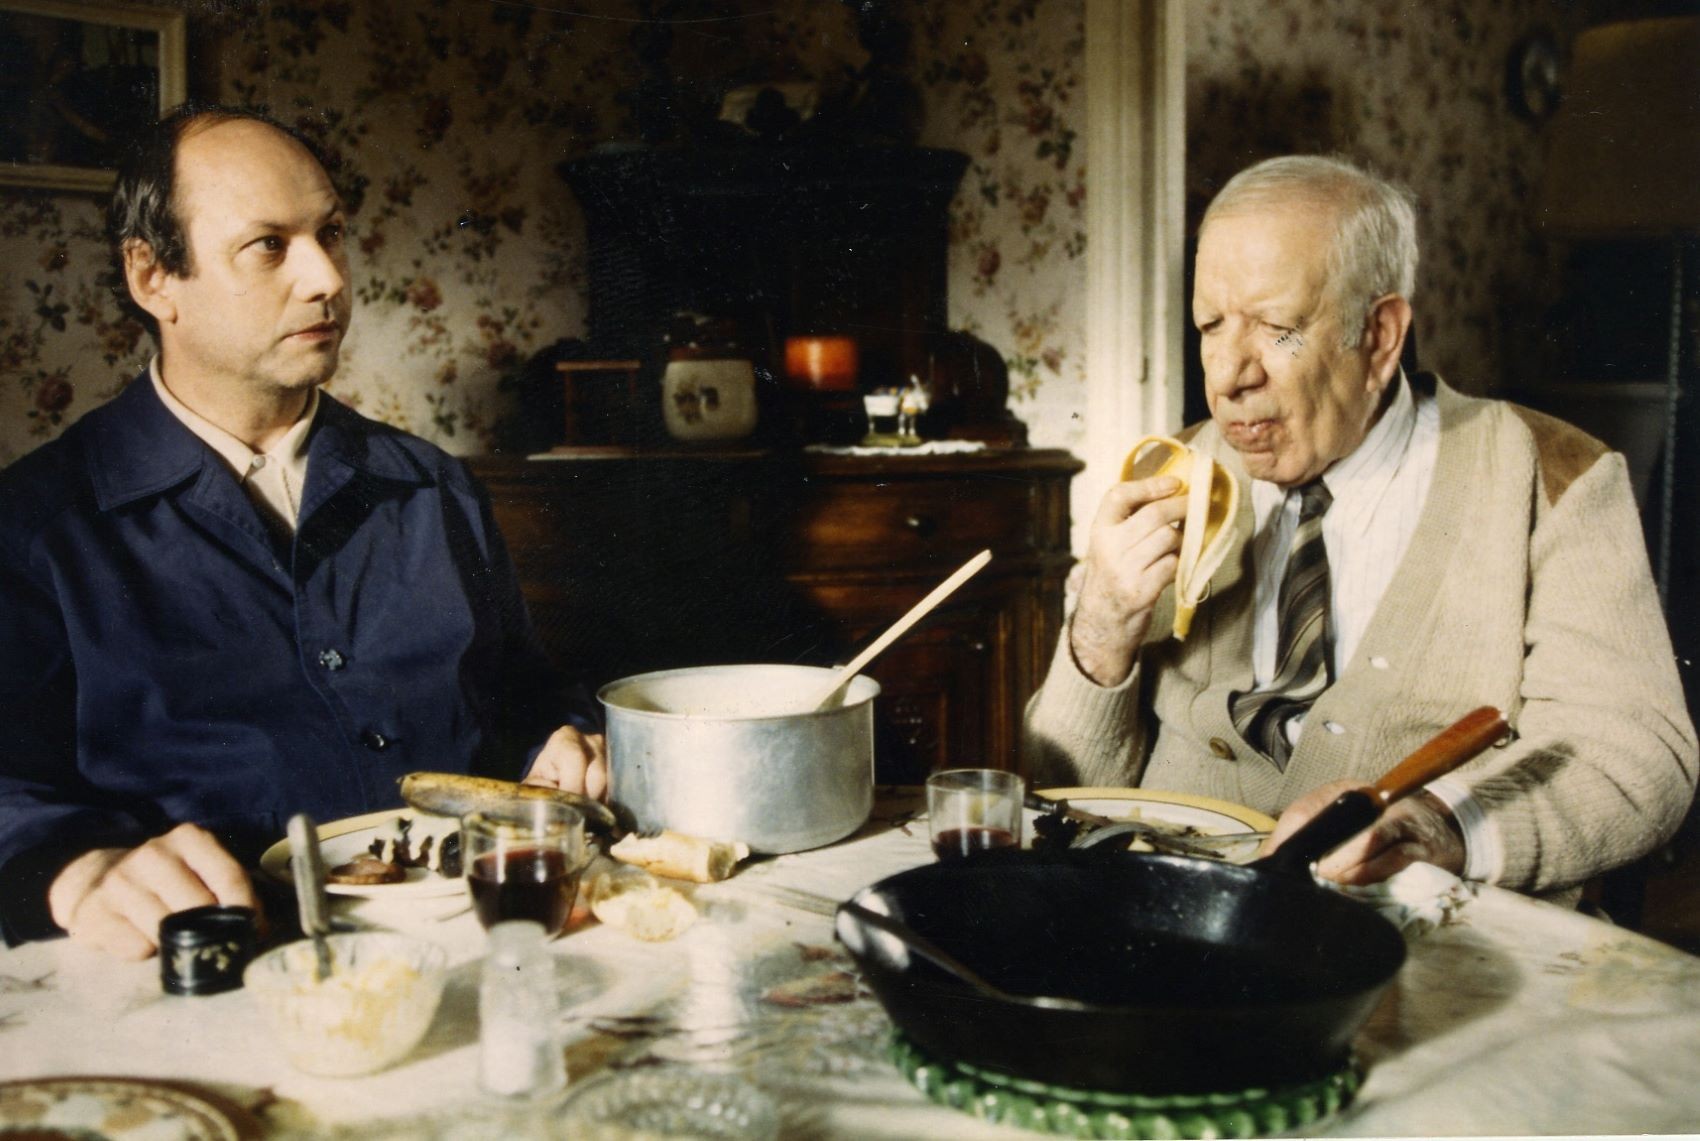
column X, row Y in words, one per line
column 1384, row 338
column 149, row 282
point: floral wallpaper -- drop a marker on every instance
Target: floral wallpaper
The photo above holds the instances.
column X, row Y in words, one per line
column 448, row 119
column 1004, row 82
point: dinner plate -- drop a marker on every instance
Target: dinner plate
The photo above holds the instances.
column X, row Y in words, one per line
column 121, row 1109
column 341, row 840
column 1208, row 815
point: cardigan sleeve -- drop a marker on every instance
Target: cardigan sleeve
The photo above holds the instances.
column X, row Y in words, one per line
column 1077, row 732
column 1603, row 768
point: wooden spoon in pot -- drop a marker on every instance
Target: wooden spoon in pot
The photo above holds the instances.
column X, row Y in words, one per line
column 917, row 612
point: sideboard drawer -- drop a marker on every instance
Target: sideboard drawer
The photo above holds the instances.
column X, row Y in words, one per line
column 856, row 523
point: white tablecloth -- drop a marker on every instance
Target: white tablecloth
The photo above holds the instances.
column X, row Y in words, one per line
column 1510, row 1017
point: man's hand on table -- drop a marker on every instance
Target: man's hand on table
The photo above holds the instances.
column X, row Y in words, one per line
column 112, row 899
column 572, row 760
column 1131, row 557
column 1418, row 829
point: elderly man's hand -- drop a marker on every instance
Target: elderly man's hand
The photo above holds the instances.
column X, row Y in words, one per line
column 113, row 898
column 573, row 760
column 1417, row 829
column 1131, row 557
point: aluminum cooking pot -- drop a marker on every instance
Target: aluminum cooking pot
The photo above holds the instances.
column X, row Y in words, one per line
column 729, row 753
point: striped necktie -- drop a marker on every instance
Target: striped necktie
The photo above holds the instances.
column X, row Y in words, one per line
column 1304, row 660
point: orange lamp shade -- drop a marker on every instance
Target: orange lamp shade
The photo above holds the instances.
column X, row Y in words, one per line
column 825, row 363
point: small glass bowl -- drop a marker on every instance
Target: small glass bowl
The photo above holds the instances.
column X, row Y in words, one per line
column 368, row 1013
column 670, row 1103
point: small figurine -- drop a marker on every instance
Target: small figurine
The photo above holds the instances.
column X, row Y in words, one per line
column 910, row 405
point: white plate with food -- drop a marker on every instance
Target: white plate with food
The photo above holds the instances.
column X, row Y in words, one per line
column 410, row 842
column 1182, row 814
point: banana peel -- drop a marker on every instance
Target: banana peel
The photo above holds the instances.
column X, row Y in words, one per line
column 1213, row 496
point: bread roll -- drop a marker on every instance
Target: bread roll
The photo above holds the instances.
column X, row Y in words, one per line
column 681, row 857
column 633, row 902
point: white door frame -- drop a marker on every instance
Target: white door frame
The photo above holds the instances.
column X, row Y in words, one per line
column 1136, row 150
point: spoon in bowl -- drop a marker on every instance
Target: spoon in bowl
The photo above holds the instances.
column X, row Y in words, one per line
column 308, row 866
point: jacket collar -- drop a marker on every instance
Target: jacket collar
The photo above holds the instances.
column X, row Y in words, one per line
column 138, row 448
column 344, row 436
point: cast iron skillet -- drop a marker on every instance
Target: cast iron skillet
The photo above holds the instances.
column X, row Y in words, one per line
column 1194, row 975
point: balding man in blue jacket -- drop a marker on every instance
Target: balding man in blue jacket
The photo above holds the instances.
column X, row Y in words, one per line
column 226, row 598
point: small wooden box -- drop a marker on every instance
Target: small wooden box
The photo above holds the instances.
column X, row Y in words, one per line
column 601, row 403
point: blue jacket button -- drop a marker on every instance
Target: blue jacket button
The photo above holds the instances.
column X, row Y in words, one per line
column 374, row 740
column 332, row 660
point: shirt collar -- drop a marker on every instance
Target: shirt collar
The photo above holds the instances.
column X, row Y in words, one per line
column 1365, row 473
column 291, row 449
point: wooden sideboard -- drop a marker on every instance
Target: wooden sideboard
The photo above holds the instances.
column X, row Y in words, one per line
column 645, row 561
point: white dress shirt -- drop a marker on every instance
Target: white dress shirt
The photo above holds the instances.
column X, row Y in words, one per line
column 273, row 479
column 1378, row 495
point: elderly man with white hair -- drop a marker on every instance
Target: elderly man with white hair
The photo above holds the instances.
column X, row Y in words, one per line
column 1402, row 554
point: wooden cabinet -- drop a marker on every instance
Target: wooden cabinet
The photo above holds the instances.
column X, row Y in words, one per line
column 657, row 560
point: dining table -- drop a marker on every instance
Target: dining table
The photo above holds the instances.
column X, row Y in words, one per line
column 1510, row 1016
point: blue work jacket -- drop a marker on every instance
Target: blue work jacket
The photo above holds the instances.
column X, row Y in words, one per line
column 164, row 658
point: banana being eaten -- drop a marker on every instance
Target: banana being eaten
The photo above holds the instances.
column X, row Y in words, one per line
column 1212, row 499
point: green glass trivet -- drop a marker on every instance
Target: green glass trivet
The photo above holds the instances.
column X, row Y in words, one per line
column 1071, row 1112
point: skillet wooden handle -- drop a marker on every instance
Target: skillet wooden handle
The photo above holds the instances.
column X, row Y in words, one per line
column 1466, row 737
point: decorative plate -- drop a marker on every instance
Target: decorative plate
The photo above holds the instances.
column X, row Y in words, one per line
column 341, row 840
column 116, row 1109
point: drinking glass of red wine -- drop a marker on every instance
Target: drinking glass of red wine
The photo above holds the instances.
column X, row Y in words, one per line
column 523, row 861
column 974, row 810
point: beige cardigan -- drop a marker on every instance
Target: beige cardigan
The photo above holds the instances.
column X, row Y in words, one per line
column 1526, row 586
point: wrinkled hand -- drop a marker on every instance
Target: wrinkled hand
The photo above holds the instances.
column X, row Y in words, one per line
column 112, row 899
column 573, row 760
column 1416, row 829
column 1131, row 556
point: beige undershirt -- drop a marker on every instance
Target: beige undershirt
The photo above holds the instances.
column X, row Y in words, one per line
column 273, row 479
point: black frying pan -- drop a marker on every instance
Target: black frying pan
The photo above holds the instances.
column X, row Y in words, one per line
column 1193, row 975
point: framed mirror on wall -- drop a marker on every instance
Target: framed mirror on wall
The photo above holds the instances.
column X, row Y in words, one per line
column 75, row 79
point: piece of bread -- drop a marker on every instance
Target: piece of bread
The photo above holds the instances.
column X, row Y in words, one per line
column 1213, row 497
column 632, row 901
column 681, row 857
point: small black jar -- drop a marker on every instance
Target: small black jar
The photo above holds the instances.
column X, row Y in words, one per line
column 204, row 950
